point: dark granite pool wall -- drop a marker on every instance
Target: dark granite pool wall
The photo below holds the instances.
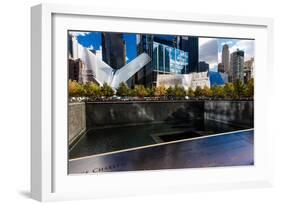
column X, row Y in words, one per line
column 76, row 120
column 106, row 114
column 240, row 113
column 93, row 114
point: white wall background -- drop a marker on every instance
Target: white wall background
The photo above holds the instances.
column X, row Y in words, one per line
column 15, row 100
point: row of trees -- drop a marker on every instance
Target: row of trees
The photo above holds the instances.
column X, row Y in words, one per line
column 236, row 90
column 89, row 89
column 140, row 91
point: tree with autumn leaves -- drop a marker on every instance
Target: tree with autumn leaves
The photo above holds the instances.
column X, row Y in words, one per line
column 229, row 91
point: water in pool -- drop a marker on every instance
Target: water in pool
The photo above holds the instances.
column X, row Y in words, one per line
column 114, row 138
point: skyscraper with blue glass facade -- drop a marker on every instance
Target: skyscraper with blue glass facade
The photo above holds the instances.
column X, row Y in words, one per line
column 170, row 55
column 168, row 59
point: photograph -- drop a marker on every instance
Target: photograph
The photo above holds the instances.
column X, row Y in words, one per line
column 139, row 101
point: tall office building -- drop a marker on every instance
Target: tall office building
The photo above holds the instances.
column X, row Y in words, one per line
column 113, row 49
column 167, row 58
column 171, row 41
column 237, row 66
column 75, row 69
column 170, row 54
column 203, row 66
column 145, row 75
column 70, row 45
column 220, row 68
column 248, row 69
column 225, row 59
column 75, row 65
column 191, row 46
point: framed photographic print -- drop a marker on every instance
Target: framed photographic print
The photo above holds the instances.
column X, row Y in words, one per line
column 135, row 102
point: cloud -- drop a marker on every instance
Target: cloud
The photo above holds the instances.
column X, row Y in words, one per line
column 203, row 41
column 76, row 33
column 208, row 51
column 247, row 46
column 228, row 42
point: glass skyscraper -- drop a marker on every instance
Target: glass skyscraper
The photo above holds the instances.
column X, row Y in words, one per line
column 113, row 49
column 237, row 66
column 190, row 44
column 167, row 58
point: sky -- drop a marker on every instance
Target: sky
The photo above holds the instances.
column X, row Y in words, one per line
column 210, row 49
column 92, row 40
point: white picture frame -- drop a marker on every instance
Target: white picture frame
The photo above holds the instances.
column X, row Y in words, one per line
column 49, row 178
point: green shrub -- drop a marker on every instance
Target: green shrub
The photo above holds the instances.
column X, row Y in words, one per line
column 190, row 92
column 229, row 90
column 75, row 89
column 160, row 91
column 123, row 90
column 239, row 89
column 170, row 92
column 132, row 92
column 250, row 89
column 150, row 91
column 92, row 90
column 179, row 91
column 140, row 91
column 217, row 92
column 207, row 92
column 107, row 90
column 198, row 92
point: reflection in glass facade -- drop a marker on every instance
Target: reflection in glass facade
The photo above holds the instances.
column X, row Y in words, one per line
column 168, row 59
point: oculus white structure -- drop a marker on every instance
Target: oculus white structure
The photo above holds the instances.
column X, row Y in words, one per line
column 94, row 69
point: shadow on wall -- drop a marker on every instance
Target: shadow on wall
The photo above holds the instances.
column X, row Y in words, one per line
column 229, row 112
column 188, row 111
column 240, row 113
column 88, row 115
column 104, row 114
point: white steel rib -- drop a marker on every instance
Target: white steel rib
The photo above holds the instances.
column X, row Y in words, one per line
column 95, row 68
